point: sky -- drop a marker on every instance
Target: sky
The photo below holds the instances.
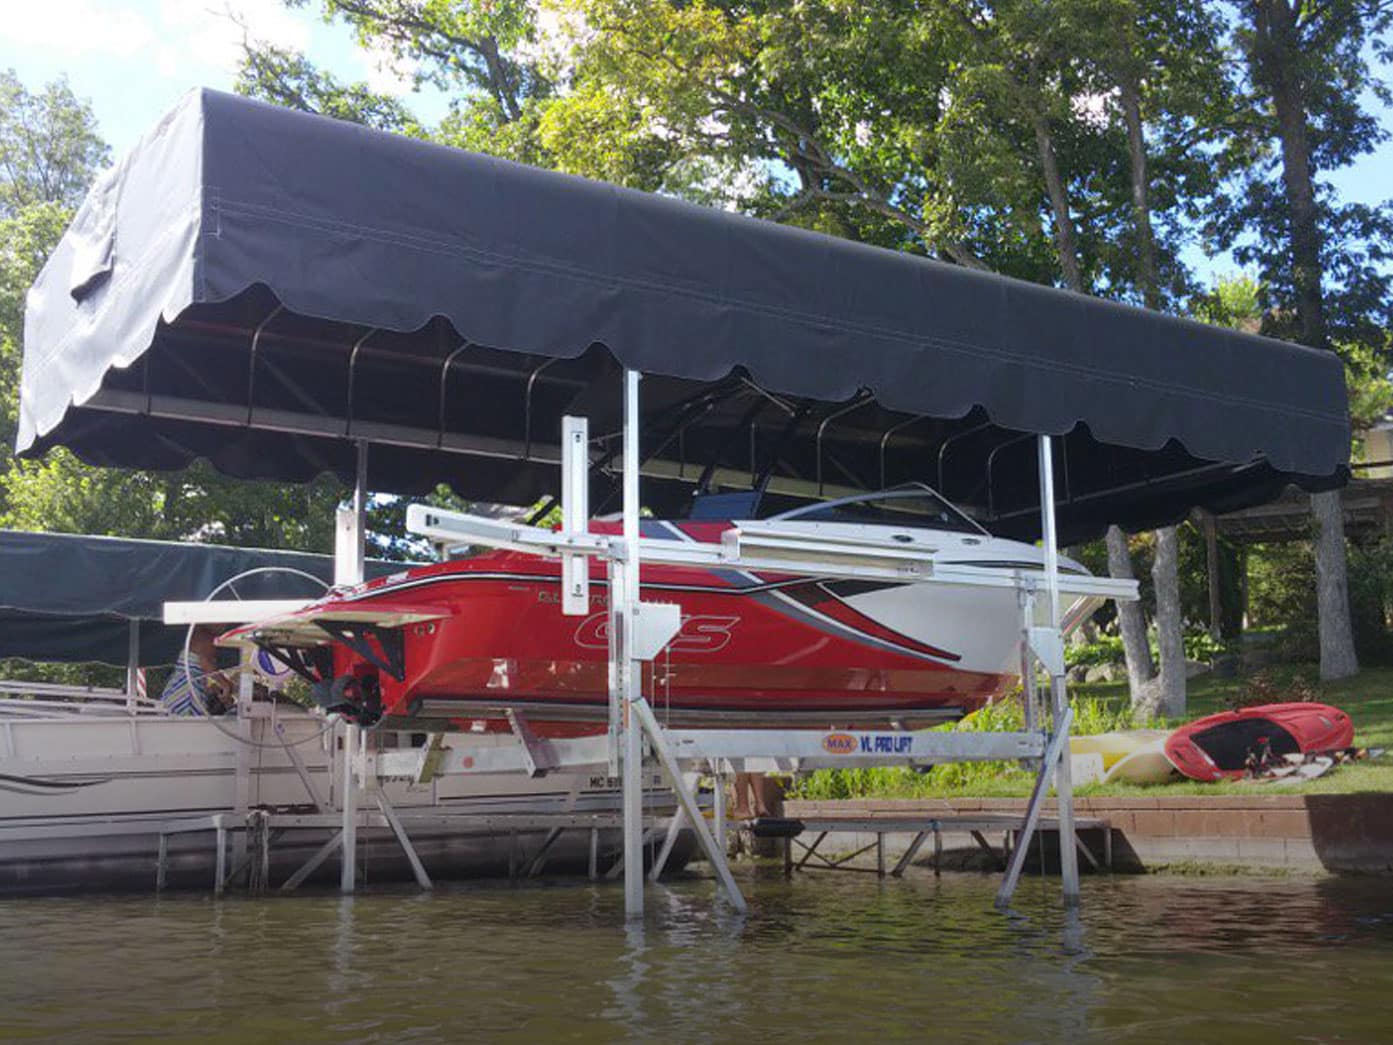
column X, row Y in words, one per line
column 134, row 59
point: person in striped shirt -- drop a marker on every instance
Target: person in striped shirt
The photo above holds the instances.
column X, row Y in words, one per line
column 195, row 686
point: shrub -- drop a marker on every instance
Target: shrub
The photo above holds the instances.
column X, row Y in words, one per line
column 1106, row 650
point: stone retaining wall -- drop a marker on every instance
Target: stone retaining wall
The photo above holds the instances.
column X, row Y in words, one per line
column 1346, row 833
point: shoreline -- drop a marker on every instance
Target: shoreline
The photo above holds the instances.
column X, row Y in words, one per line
column 1305, row 834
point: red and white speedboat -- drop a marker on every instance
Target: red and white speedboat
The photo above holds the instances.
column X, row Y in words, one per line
column 468, row 639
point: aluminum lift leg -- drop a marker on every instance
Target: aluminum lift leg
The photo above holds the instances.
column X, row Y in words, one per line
column 630, row 670
column 674, row 828
column 418, row 869
column 1053, row 753
column 640, row 709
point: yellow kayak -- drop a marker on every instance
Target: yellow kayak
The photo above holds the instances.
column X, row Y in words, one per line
column 1114, row 747
column 1134, row 756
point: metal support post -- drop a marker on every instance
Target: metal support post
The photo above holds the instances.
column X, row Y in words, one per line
column 292, row 752
column 132, row 666
column 641, row 716
column 162, row 863
column 1058, row 748
column 1029, row 696
column 220, row 861
column 348, row 569
column 1063, row 779
column 719, row 810
column 630, row 669
column 614, row 578
column 312, row 864
column 348, row 835
column 674, row 828
column 243, row 797
column 418, row 869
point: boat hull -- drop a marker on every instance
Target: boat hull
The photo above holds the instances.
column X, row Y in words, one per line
column 753, row 650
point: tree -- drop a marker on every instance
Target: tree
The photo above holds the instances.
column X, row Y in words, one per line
column 287, row 78
column 49, row 146
column 485, row 55
column 1325, row 264
column 49, row 152
column 1160, row 65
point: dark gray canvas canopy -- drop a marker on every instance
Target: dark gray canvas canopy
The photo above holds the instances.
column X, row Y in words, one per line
column 262, row 288
column 67, row 597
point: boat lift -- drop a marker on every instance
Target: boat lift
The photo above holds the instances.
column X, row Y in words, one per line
column 640, row 630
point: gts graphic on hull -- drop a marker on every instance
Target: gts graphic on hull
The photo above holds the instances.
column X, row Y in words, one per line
column 700, row 633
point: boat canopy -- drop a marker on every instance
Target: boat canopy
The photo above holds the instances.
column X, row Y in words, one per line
column 72, row 597
column 265, row 289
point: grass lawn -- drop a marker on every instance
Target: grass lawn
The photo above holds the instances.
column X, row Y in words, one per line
column 1368, row 699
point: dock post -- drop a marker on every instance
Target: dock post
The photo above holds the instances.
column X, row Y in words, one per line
column 220, row 862
column 161, row 862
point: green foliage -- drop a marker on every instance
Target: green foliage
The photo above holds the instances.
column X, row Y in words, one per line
column 60, row 493
column 1107, row 649
column 1202, row 646
column 49, row 147
column 49, row 152
column 287, row 78
column 1281, row 594
column 1322, row 61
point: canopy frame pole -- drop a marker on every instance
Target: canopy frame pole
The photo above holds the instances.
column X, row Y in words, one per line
column 1054, row 664
column 348, row 569
column 855, row 404
column 629, row 669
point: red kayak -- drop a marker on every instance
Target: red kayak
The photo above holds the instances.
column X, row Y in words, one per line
column 1219, row 747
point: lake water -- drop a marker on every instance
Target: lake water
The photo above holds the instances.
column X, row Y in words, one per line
column 824, row 958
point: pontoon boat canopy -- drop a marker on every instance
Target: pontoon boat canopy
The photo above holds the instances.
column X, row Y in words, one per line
column 72, row 597
column 264, row 288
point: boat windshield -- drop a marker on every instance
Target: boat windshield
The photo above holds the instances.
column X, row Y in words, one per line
column 914, row 505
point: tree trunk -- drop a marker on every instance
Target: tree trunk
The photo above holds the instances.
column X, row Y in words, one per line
column 1169, row 692
column 1337, row 657
column 1165, row 572
column 1141, row 193
column 1065, row 235
column 1131, row 622
column 1276, row 59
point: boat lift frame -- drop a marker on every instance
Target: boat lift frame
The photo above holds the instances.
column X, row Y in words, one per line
column 639, row 631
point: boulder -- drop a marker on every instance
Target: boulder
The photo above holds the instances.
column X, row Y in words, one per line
column 1195, row 668
column 1101, row 673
